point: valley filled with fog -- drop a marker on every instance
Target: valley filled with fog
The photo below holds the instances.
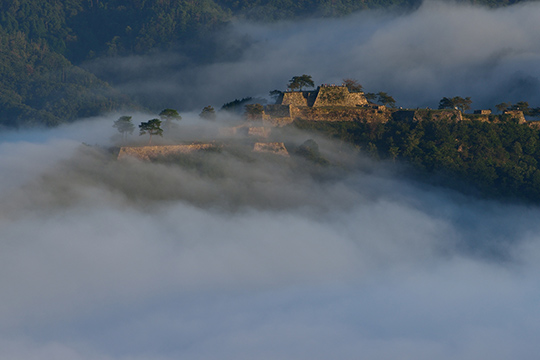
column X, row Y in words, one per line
column 267, row 257
column 106, row 259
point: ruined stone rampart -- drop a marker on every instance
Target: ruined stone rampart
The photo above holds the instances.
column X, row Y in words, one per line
column 259, row 131
column 323, row 96
column 295, row 98
column 515, row 115
column 277, row 148
column 153, row 152
column 342, row 114
column 338, row 96
column 482, row 112
column 277, row 122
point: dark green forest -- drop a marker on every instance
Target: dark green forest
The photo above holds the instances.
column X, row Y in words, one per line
column 44, row 43
column 491, row 159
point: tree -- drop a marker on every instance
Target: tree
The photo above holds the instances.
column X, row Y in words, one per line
column 298, row 82
column 238, row 106
column 276, row 94
column 168, row 115
column 503, row 106
column 521, row 106
column 463, row 104
column 370, row 96
column 535, row 112
column 254, row 111
column 456, row 102
column 208, row 113
column 353, row 85
column 151, row 127
column 386, row 99
column 124, row 126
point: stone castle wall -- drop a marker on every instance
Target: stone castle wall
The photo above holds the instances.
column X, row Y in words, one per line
column 277, row 148
column 342, row 114
column 323, row 96
column 516, row 115
column 338, row 96
column 295, row 98
column 153, row 152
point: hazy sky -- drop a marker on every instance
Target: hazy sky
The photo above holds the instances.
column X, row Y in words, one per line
column 107, row 260
column 440, row 50
column 127, row 260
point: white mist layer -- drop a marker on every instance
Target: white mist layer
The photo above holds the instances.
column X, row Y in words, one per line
column 96, row 264
column 440, row 50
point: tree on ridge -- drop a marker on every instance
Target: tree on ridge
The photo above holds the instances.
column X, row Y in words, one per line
column 124, row 126
column 299, row 82
column 353, row 85
column 168, row 115
column 208, row 113
column 457, row 102
column 151, row 127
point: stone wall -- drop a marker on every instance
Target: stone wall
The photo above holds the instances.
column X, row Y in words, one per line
column 357, row 99
column 342, row 114
column 259, row 131
column 516, row 115
column 295, row 98
column 323, row 96
column 152, row 152
column 277, row 122
column 277, row 148
column 338, row 96
column 482, row 112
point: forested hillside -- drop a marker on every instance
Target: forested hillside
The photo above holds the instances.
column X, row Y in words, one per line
column 500, row 159
column 43, row 42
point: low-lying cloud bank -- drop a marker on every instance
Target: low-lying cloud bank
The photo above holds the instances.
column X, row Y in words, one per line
column 102, row 259
column 440, row 50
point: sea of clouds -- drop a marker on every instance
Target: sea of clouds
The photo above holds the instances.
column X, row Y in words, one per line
column 116, row 260
column 104, row 259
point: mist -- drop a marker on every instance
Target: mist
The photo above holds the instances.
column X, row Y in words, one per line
column 439, row 50
column 263, row 257
column 234, row 255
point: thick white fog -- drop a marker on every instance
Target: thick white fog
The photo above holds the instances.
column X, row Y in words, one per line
column 263, row 258
column 104, row 259
column 439, row 50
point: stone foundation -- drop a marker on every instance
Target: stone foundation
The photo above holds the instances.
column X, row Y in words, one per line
column 153, row 152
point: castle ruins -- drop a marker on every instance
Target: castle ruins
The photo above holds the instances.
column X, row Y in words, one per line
column 327, row 102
